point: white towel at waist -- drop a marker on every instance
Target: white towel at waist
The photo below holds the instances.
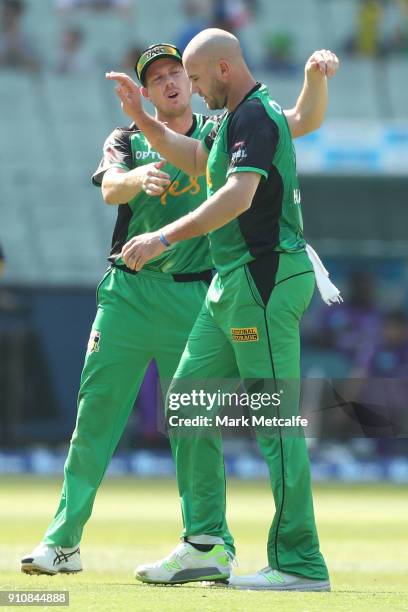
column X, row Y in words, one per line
column 329, row 292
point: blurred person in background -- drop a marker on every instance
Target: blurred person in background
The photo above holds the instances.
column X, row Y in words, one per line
column 278, row 55
column 17, row 48
column 130, row 57
column 381, row 387
column 195, row 18
column 389, row 359
column 236, row 13
column 72, row 57
column 233, row 16
column 228, row 15
column 398, row 42
column 395, row 27
column 389, row 363
column 376, row 347
column 366, row 41
column 353, row 327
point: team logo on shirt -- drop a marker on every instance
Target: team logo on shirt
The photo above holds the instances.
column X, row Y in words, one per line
column 193, row 187
column 150, row 154
column 94, row 341
column 245, row 334
column 276, row 107
column 238, row 152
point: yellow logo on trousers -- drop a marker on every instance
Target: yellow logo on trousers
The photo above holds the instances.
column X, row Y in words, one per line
column 94, row 341
column 245, row 334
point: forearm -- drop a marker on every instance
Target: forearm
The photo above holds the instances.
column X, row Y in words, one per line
column 308, row 113
column 215, row 212
column 226, row 204
column 311, row 105
column 120, row 188
column 179, row 150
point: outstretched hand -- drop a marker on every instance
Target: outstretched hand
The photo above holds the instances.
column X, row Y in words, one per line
column 324, row 61
column 128, row 93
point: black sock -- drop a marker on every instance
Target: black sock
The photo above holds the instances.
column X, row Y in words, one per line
column 202, row 547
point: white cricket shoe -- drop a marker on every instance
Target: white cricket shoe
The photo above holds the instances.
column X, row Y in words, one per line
column 187, row 564
column 274, row 580
column 52, row 560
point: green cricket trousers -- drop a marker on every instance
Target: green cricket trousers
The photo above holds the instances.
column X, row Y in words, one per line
column 140, row 317
column 248, row 328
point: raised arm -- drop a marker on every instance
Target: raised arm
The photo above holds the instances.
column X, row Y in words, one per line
column 308, row 113
column 181, row 151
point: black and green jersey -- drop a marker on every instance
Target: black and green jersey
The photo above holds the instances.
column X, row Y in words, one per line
column 127, row 148
column 256, row 138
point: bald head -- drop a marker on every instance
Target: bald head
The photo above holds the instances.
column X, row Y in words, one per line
column 216, row 68
column 212, row 45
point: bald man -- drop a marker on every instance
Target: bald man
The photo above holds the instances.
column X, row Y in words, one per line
column 248, row 327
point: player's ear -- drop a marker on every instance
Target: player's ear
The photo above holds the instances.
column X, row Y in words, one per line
column 144, row 92
column 224, row 68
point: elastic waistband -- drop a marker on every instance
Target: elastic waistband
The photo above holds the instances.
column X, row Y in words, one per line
column 189, row 277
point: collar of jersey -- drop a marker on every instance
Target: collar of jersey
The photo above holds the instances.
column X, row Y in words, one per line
column 192, row 127
column 257, row 86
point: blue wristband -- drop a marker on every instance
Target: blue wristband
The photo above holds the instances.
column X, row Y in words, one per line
column 164, row 240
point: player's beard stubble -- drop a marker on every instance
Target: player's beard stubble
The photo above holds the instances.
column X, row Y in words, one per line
column 217, row 96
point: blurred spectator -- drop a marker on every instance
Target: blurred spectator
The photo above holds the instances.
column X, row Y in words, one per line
column 395, row 27
column 279, row 54
column 398, row 42
column 195, row 18
column 390, row 358
column 17, row 49
column 367, row 41
column 130, row 57
column 381, row 409
column 352, row 329
column 72, row 58
column 96, row 5
column 235, row 14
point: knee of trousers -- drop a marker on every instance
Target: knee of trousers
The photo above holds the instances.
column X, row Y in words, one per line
column 97, row 413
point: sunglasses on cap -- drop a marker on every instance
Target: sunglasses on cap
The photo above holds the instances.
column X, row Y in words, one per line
column 153, row 53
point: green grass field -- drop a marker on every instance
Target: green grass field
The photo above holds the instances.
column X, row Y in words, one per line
column 363, row 532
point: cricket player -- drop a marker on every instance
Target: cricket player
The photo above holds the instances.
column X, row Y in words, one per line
column 264, row 283
column 147, row 314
